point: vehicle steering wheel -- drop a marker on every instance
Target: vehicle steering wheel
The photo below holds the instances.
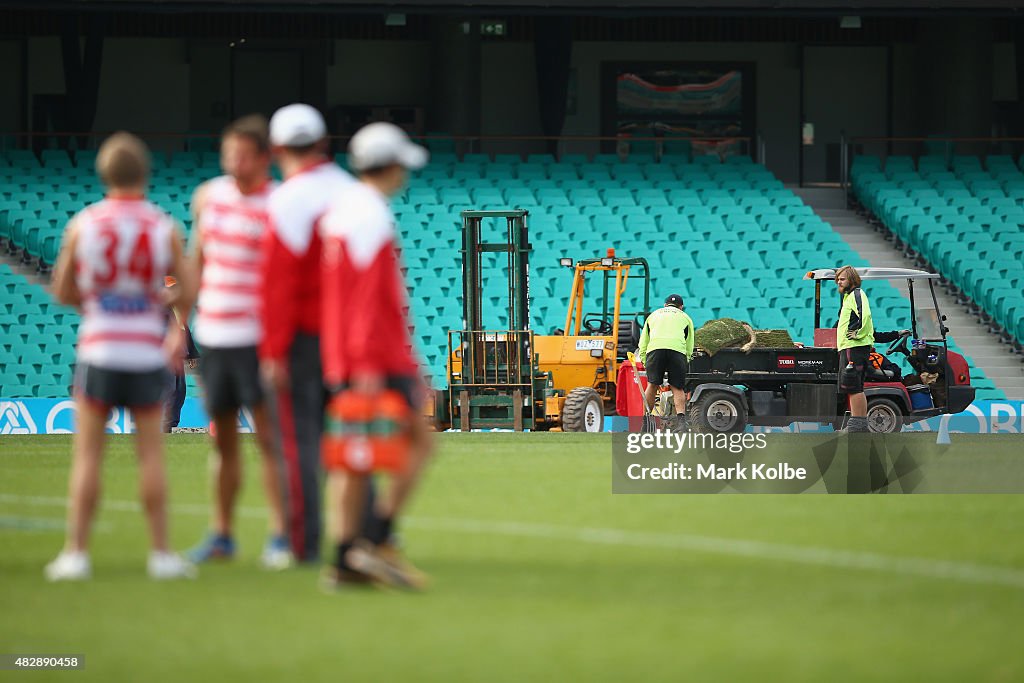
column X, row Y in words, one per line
column 597, row 325
column 900, row 345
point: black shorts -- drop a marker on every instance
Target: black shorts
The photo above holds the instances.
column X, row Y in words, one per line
column 116, row 388
column 231, row 379
column 409, row 386
column 851, row 380
column 661, row 362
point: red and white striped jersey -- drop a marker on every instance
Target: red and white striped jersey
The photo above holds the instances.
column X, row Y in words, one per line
column 232, row 227
column 122, row 254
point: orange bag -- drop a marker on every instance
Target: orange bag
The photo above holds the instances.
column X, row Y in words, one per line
column 366, row 433
column 876, row 360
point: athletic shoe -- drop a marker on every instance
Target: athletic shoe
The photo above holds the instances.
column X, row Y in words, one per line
column 215, row 547
column 69, row 566
column 164, row 566
column 276, row 554
column 384, row 563
column 417, row 579
column 333, row 580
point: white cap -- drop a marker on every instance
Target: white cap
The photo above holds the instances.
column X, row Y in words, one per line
column 296, row 125
column 382, row 144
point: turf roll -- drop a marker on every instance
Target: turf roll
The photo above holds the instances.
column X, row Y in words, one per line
column 722, row 333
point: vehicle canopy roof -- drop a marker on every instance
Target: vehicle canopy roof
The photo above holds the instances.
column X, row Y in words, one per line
column 874, row 274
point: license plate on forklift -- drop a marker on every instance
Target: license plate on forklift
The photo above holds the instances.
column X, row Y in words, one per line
column 589, row 344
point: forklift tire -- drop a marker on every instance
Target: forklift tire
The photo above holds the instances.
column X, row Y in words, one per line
column 583, row 411
column 717, row 412
column 884, row 416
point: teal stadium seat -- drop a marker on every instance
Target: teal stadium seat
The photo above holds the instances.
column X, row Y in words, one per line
column 966, row 225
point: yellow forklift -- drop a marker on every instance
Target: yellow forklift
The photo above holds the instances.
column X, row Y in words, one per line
column 514, row 379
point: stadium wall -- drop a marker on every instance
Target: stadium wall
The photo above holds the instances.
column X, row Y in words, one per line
column 44, row 70
column 509, row 99
column 144, row 85
column 401, row 73
column 10, row 84
column 207, row 97
column 144, row 82
column 943, row 83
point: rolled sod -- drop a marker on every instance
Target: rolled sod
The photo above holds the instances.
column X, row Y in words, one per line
column 722, row 333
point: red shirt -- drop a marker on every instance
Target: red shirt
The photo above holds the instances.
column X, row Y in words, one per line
column 290, row 286
column 364, row 323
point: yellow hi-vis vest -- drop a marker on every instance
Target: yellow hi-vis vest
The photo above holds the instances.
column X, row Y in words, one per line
column 667, row 328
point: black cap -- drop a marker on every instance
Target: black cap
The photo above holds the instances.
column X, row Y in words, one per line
column 674, row 300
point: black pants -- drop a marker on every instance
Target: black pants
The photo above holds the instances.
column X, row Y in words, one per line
column 299, row 417
column 174, row 400
column 299, row 414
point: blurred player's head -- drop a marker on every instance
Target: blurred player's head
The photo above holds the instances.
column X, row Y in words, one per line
column 382, row 154
column 298, row 135
column 847, row 279
column 245, row 150
column 123, row 163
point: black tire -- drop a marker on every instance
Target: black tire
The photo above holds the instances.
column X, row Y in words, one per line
column 717, row 412
column 583, row 411
column 884, row 416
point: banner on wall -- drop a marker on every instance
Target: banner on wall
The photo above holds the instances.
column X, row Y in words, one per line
column 57, row 416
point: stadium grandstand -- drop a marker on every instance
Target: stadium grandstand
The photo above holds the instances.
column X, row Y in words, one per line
column 315, row 514
column 732, row 237
column 962, row 217
column 676, row 141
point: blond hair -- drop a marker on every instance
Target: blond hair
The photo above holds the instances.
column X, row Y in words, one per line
column 252, row 127
column 851, row 275
column 123, row 161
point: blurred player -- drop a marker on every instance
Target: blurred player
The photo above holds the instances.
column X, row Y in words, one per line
column 367, row 350
column 231, row 220
column 177, row 388
column 115, row 256
column 290, row 350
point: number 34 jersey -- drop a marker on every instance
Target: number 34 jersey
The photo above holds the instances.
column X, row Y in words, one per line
column 122, row 254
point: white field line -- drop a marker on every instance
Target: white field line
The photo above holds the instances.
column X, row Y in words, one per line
column 714, row 545
column 42, row 524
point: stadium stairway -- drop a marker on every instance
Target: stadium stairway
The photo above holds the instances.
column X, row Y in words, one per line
column 30, row 272
column 995, row 359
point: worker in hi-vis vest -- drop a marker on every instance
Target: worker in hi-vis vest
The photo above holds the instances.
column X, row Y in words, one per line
column 854, row 336
column 666, row 345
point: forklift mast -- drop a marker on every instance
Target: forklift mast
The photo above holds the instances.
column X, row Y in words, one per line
column 516, row 246
column 492, row 376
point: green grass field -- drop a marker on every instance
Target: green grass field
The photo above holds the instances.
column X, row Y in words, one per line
column 539, row 574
